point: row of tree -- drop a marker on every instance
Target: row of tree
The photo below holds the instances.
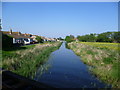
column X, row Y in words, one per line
column 69, row 38
column 93, row 37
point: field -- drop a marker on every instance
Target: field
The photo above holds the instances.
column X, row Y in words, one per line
column 111, row 46
column 103, row 57
column 26, row 59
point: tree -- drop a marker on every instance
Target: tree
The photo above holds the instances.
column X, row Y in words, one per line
column 104, row 37
column 81, row 38
column 69, row 39
column 72, row 37
column 87, row 38
column 39, row 39
column 92, row 38
column 116, row 37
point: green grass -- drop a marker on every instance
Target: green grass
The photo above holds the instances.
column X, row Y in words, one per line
column 10, row 53
column 26, row 61
column 104, row 57
column 29, row 46
column 33, row 62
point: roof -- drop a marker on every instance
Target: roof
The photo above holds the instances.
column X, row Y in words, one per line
column 34, row 35
column 15, row 34
column 7, row 32
column 27, row 34
column 43, row 37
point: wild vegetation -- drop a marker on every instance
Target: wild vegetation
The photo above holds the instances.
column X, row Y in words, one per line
column 6, row 41
column 39, row 39
column 26, row 59
column 93, row 37
column 69, row 39
column 102, row 37
column 103, row 59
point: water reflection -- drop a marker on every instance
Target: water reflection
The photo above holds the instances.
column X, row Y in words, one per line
column 41, row 70
column 66, row 70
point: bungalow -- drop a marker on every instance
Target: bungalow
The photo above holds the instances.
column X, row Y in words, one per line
column 18, row 37
column 34, row 38
column 51, row 39
column 44, row 39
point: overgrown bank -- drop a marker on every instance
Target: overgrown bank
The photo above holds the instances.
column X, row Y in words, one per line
column 26, row 60
column 103, row 57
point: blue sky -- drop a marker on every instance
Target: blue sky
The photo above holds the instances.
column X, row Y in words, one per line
column 58, row 19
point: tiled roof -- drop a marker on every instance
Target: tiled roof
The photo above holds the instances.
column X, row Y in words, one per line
column 27, row 34
column 15, row 34
column 18, row 36
column 7, row 32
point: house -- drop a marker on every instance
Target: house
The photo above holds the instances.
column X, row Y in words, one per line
column 18, row 37
column 34, row 38
column 44, row 38
column 51, row 39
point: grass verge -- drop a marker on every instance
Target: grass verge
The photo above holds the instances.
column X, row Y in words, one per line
column 104, row 57
column 26, row 61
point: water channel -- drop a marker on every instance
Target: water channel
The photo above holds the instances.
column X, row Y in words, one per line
column 66, row 70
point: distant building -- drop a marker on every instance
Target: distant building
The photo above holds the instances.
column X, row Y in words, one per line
column 34, row 38
column 44, row 38
column 18, row 37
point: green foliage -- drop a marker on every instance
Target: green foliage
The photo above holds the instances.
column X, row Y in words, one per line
column 102, row 37
column 87, row 38
column 31, row 61
column 28, row 46
column 72, row 37
column 39, row 39
column 69, row 39
column 108, row 60
column 7, row 41
column 116, row 36
column 26, row 61
column 90, row 52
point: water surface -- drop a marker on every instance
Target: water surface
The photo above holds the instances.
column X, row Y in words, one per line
column 64, row 69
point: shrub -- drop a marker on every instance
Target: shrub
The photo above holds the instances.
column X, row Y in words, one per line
column 7, row 41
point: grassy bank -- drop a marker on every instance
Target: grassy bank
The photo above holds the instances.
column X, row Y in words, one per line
column 25, row 60
column 103, row 57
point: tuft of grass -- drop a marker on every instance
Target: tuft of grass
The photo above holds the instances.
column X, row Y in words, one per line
column 103, row 57
column 25, row 62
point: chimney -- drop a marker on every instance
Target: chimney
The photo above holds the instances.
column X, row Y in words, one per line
column 19, row 33
column 10, row 31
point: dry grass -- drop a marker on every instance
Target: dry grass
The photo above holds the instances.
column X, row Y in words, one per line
column 25, row 62
column 103, row 56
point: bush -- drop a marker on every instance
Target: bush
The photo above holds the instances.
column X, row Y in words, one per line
column 39, row 39
column 7, row 41
column 68, row 39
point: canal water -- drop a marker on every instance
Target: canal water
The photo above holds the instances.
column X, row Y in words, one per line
column 64, row 69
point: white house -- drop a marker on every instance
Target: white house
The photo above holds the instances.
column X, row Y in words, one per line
column 18, row 37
